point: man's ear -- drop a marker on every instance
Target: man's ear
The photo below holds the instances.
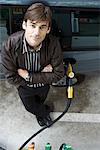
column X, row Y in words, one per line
column 48, row 30
column 24, row 25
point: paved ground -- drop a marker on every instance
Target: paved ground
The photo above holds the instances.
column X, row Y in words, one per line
column 80, row 127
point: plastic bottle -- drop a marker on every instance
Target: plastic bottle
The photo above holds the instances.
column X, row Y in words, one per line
column 31, row 146
column 67, row 147
column 48, row 146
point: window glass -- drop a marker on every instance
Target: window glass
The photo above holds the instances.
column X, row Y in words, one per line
column 88, row 23
column 4, row 24
column 61, row 26
column 17, row 17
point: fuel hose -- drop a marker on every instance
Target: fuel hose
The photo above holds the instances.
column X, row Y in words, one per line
column 69, row 75
column 45, row 127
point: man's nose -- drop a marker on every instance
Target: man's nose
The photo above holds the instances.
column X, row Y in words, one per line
column 37, row 31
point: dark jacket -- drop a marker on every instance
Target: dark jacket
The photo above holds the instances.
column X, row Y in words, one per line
column 13, row 59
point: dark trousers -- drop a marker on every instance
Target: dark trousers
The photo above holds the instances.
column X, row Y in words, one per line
column 33, row 99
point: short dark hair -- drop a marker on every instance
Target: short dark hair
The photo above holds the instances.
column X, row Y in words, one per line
column 38, row 12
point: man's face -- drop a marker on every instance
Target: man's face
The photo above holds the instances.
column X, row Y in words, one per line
column 35, row 32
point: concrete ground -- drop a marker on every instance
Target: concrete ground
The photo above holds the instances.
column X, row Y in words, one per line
column 80, row 127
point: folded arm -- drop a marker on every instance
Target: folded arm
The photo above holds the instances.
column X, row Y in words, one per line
column 9, row 66
column 16, row 76
column 50, row 73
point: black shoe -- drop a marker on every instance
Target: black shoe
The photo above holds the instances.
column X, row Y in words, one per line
column 50, row 106
column 47, row 121
column 40, row 121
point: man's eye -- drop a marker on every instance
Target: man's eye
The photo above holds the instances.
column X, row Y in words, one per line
column 43, row 27
column 33, row 26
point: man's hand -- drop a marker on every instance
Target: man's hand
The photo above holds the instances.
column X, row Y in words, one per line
column 48, row 68
column 23, row 73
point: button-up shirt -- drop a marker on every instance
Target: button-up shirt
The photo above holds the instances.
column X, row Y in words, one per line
column 32, row 60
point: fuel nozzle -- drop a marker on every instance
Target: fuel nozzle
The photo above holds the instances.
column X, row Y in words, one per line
column 69, row 75
column 69, row 62
column 69, row 71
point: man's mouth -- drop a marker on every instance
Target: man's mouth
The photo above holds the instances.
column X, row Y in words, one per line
column 35, row 38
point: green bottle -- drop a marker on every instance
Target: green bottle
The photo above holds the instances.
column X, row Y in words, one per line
column 67, row 147
column 48, row 146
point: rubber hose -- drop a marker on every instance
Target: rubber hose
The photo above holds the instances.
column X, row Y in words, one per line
column 45, row 127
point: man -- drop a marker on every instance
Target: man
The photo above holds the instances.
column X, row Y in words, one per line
column 32, row 60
